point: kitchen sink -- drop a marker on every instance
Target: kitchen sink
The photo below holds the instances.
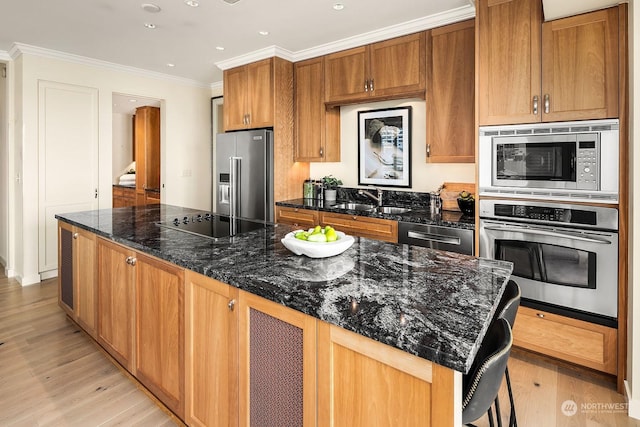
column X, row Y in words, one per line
column 354, row 206
column 392, row 209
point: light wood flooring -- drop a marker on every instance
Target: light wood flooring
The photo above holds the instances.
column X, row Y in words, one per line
column 52, row 374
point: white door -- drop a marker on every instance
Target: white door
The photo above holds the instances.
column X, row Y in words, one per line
column 68, row 160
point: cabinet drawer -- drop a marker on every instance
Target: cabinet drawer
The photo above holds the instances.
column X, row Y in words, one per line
column 362, row 226
column 576, row 341
column 297, row 217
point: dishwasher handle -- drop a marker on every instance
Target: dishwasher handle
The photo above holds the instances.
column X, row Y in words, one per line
column 434, row 237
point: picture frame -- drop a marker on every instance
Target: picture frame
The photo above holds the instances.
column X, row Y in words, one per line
column 384, row 147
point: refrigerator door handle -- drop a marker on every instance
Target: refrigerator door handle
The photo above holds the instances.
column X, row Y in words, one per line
column 234, row 183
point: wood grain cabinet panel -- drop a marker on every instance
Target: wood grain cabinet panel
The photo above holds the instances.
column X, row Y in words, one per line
column 450, row 93
column 317, row 127
column 389, row 69
column 576, row 341
column 211, row 352
column 147, row 146
column 529, row 71
column 297, row 217
column 362, row 226
column 116, row 301
column 249, row 95
column 159, row 331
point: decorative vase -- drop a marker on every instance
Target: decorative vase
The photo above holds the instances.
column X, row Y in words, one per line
column 330, row 195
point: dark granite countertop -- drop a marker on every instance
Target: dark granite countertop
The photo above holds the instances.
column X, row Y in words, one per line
column 434, row 304
column 418, row 213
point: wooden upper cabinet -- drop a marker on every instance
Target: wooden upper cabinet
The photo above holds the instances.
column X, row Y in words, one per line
column 566, row 69
column 317, row 127
column 248, row 92
column 389, row 69
column 450, row 93
column 580, row 66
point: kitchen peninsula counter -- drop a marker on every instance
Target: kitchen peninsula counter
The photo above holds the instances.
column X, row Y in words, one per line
column 433, row 304
column 381, row 324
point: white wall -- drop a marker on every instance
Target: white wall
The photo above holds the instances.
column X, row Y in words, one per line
column 122, row 143
column 185, row 136
column 425, row 176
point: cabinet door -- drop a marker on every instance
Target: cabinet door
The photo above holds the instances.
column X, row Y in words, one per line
column 509, row 61
column 277, row 364
column 346, row 75
column 296, row 217
column 317, row 128
column 211, row 388
column 66, row 282
column 86, row 278
column 355, row 225
column 160, row 330
column 580, row 66
column 450, row 96
column 116, row 293
column 147, row 130
column 235, row 98
column 397, row 66
column 260, row 94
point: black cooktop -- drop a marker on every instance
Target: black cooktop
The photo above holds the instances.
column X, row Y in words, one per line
column 212, row 225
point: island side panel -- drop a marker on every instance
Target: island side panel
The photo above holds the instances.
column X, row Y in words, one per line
column 362, row 382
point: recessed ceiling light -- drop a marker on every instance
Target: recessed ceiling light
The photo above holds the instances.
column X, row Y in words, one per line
column 192, row 3
column 150, row 7
column 133, row 100
column 150, row 26
column 219, row 48
column 338, row 6
column 263, row 33
column 169, row 64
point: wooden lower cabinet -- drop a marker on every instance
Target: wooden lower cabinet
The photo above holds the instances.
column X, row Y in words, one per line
column 572, row 340
column 124, row 196
column 78, row 275
column 362, row 382
column 277, row 364
column 362, row 226
column 159, row 332
column 211, row 352
column 116, row 301
column 296, row 216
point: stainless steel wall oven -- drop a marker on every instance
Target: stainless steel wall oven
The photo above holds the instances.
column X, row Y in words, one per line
column 565, row 256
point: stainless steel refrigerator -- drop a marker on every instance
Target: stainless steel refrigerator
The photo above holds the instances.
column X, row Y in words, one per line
column 243, row 184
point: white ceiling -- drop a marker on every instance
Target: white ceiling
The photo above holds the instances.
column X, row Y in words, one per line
column 114, row 31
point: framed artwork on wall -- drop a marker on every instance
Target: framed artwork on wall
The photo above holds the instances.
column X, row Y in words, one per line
column 384, row 147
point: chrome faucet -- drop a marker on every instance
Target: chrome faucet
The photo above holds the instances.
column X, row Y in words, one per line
column 377, row 198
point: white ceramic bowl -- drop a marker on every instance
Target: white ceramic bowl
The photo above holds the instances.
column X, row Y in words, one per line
column 317, row 249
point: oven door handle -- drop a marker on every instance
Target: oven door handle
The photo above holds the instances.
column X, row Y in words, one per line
column 590, row 239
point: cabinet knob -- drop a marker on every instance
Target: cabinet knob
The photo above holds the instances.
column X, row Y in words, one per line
column 540, row 315
column 321, row 152
column 75, row 235
column 371, row 86
column 232, row 304
column 535, row 105
column 428, row 150
column 131, row 260
column 366, row 85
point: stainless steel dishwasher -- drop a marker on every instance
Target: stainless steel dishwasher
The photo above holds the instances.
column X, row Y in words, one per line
column 437, row 237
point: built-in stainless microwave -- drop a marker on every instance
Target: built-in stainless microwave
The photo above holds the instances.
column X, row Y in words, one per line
column 563, row 161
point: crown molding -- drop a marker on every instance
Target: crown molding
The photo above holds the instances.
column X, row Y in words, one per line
column 4, row 55
column 216, row 86
column 414, row 26
column 20, row 48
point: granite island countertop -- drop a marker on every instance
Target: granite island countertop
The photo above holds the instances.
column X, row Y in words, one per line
column 433, row 304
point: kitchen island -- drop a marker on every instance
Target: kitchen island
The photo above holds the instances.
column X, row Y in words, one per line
column 409, row 314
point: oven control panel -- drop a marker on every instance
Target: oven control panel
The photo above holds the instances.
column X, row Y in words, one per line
column 544, row 213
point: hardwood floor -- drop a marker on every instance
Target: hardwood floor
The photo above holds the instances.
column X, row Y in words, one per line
column 541, row 389
column 53, row 374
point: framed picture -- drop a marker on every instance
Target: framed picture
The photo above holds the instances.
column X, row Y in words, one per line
column 384, row 147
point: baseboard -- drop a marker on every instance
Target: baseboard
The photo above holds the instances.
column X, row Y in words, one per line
column 633, row 404
column 48, row 274
column 28, row 280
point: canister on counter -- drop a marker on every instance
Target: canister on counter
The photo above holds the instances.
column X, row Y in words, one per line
column 308, row 190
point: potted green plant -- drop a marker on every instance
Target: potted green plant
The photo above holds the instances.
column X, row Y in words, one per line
column 467, row 203
column 330, row 184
